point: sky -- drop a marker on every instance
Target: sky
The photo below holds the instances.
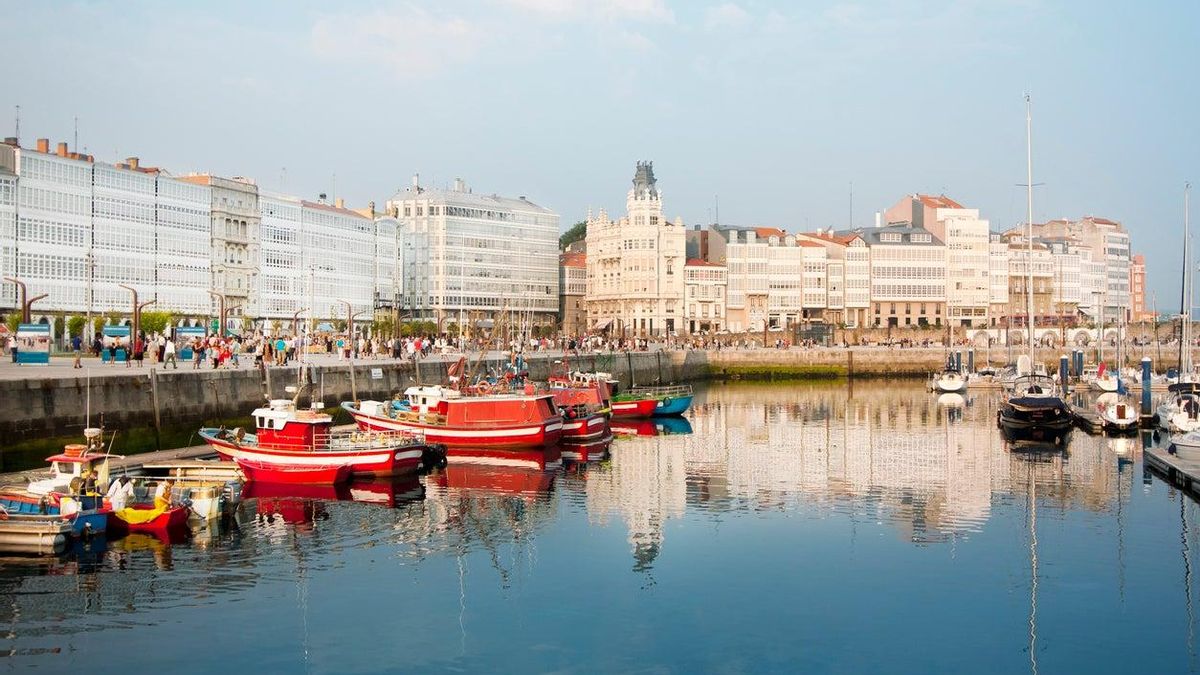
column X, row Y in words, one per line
column 776, row 111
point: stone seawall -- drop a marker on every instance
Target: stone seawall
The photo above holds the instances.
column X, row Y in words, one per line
column 41, row 408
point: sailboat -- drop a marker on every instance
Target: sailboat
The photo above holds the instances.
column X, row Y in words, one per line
column 1034, row 405
column 1180, row 413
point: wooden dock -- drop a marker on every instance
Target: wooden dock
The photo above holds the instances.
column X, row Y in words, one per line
column 128, row 464
column 1087, row 419
column 1182, row 473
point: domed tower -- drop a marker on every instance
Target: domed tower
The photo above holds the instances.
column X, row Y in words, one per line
column 644, row 203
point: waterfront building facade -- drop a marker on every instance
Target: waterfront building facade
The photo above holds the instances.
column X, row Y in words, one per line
column 908, row 276
column 1110, row 247
column 572, row 292
column 635, row 277
column 998, row 261
column 704, row 297
column 848, row 277
column 8, row 235
column 235, row 242
column 966, row 238
column 478, row 256
column 1138, row 311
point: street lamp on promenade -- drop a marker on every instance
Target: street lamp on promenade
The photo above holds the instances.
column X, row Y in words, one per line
column 25, row 303
column 221, row 307
column 296, row 321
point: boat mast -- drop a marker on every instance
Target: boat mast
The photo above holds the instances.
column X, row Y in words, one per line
column 1184, row 294
column 1029, row 227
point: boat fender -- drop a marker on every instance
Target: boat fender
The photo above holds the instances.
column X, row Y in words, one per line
column 665, row 402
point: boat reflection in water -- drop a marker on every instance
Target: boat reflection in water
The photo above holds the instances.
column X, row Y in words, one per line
column 594, row 451
column 655, row 426
column 496, row 470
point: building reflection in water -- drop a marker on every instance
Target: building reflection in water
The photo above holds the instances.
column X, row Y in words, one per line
column 929, row 466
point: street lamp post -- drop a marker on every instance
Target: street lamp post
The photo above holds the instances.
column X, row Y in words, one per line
column 296, row 321
column 26, row 303
column 221, row 310
column 134, row 319
column 137, row 319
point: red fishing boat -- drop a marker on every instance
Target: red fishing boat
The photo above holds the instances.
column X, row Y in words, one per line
column 288, row 438
column 584, row 405
column 257, row 471
column 446, row 415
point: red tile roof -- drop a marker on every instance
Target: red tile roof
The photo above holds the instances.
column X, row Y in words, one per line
column 697, row 262
column 939, row 202
column 809, row 244
column 766, row 232
column 573, row 260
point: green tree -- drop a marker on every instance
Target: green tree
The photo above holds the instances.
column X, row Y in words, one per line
column 339, row 325
column 75, row 326
column 156, row 321
column 12, row 321
column 577, row 232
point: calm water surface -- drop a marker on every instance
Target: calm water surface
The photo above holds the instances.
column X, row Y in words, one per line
column 795, row 528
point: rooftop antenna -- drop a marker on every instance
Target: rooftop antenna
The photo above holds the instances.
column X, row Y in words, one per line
column 716, row 209
column 18, row 132
column 851, row 204
column 76, row 143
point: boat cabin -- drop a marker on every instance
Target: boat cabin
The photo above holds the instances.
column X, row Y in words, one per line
column 74, row 462
column 282, row 425
column 430, row 399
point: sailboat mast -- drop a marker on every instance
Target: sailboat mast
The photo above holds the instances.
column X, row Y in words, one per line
column 1029, row 226
column 1185, row 313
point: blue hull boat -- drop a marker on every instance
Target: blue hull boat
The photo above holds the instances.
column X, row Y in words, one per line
column 673, row 405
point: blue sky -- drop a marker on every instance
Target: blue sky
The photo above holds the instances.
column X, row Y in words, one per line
column 777, row 107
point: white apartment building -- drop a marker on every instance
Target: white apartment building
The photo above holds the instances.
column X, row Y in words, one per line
column 83, row 227
column 53, row 224
column 479, row 255
column 123, row 241
column 8, row 235
column 776, row 280
column 388, row 275
column 635, row 265
column 966, row 237
column 998, row 261
column 315, row 255
column 183, row 261
column 337, row 251
column 848, row 277
column 704, row 297
column 283, row 281
column 908, row 276
column 1110, row 246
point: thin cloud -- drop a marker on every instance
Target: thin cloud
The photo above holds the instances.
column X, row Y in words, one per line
column 408, row 40
column 725, row 16
column 640, row 11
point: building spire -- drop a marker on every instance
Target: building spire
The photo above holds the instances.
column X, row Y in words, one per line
column 644, row 184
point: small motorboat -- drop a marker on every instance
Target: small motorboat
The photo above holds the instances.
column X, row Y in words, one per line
column 1187, row 445
column 1116, row 414
column 949, row 381
column 268, row 472
column 33, row 534
column 150, row 518
column 1180, row 413
column 670, row 400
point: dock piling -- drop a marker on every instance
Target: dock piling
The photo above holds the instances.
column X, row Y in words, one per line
column 1064, row 375
column 154, row 402
column 1146, row 369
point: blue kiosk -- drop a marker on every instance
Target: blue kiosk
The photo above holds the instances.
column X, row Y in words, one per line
column 115, row 335
column 183, row 340
column 33, row 345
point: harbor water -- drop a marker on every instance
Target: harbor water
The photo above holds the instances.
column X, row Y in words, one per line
column 868, row 527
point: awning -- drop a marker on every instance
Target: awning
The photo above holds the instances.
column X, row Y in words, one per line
column 602, row 324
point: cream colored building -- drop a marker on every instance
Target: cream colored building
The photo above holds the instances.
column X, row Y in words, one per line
column 966, row 237
column 704, row 304
column 572, row 289
column 236, row 220
column 848, row 278
column 635, row 277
